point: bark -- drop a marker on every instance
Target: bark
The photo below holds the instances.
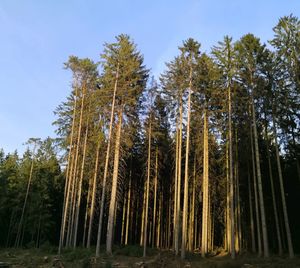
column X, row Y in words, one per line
column 147, row 190
column 259, row 181
column 285, row 213
column 123, row 220
column 155, row 197
column 128, row 209
column 186, row 174
column 231, row 189
column 204, row 246
column 251, row 215
column 106, row 164
column 258, row 226
column 112, row 205
column 273, row 194
column 178, row 182
column 17, row 243
column 74, row 175
column 80, row 187
column 67, row 182
column 175, row 186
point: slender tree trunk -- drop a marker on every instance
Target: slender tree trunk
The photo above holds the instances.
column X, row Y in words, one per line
column 106, row 164
column 112, row 206
column 80, row 187
column 205, row 211
column 179, row 182
column 88, row 201
column 186, row 174
column 231, row 190
column 170, row 222
column 123, row 220
column 67, row 182
column 158, row 242
column 155, row 197
column 258, row 226
column 259, row 180
column 143, row 216
column 192, row 221
column 147, row 190
column 285, row 214
column 71, row 234
column 17, row 243
column 93, row 197
column 175, row 186
column 251, row 215
column 128, row 208
column 273, row 193
column 228, row 223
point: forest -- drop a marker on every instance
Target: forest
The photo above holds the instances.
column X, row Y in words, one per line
column 203, row 159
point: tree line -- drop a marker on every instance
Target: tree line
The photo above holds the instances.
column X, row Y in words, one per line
column 203, row 159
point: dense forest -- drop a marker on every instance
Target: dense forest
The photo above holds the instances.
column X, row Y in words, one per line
column 202, row 159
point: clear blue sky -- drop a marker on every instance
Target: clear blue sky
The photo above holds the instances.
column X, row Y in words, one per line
column 38, row 36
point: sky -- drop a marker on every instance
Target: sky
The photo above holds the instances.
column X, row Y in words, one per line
column 37, row 37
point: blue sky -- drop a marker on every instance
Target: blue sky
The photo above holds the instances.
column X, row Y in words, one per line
column 38, row 36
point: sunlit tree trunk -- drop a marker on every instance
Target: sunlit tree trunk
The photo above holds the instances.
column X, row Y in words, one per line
column 231, row 182
column 106, row 164
column 178, row 182
column 259, row 180
column 257, row 214
column 155, row 197
column 285, row 214
column 186, row 174
column 80, row 187
column 90, row 204
column 158, row 242
column 143, row 216
column 175, row 187
column 204, row 246
column 147, row 190
column 70, row 234
column 253, row 245
column 123, row 220
column 128, row 209
column 68, row 179
column 112, row 205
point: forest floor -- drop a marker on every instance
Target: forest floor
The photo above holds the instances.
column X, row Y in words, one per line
column 130, row 256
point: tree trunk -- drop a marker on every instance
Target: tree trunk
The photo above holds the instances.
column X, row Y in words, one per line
column 251, row 215
column 285, row 214
column 175, row 187
column 179, row 182
column 112, row 206
column 273, row 193
column 231, row 189
column 147, row 190
column 259, row 180
column 155, row 197
column 128, row 208
column 123, row 220
column 258, row 226
column 17, row 243
column 67, row 182
column 205, row 211
column 70, row 233
column 106, row 164
column 80, row 187
column 186, row 174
